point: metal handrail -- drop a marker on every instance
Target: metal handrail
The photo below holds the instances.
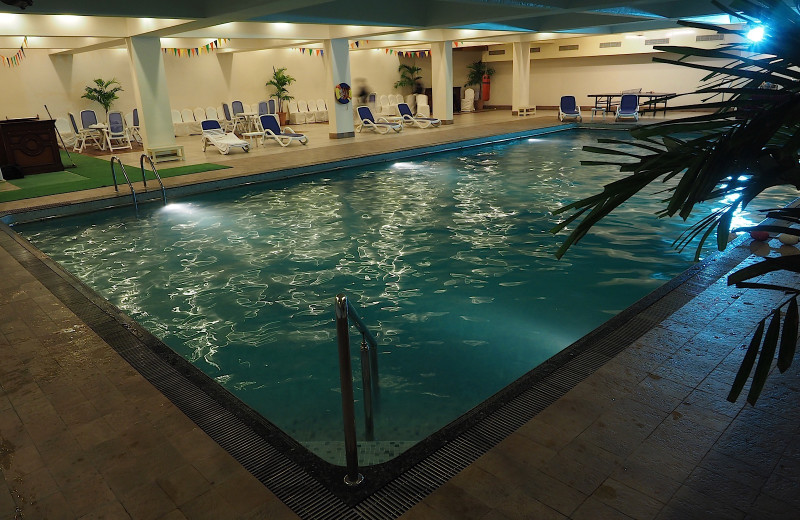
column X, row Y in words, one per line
column 155, row 172
column 116, row 187
column 369, row 377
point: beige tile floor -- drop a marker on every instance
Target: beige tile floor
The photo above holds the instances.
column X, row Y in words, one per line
column 649, row 435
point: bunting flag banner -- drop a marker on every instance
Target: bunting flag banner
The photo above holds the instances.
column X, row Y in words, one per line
column 311, row 52
column 413, row 54
column 197, row 51
column 16, row 59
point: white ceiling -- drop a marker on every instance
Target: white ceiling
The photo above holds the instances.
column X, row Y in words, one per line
column 85, row 25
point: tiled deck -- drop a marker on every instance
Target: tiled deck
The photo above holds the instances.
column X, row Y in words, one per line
column 649, row 435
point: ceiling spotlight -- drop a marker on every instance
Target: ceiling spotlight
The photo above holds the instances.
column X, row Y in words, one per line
column 756, row 34
column 22, row 4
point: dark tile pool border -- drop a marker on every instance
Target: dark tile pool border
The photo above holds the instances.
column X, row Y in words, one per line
column 313, row 488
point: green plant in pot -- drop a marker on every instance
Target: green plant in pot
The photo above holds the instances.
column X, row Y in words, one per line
column 104, row 92
column 475, row 73
column 280, row 82
column 409, row 76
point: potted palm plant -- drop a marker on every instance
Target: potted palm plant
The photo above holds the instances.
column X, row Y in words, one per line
column 749, row 144
column 409, row 76
column 475, row 73
column 280, row 82
column 104, row 92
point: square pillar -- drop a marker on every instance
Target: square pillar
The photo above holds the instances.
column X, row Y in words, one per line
column 521, row 74
column 150, row 91
column 442, row 77
column 336, row 55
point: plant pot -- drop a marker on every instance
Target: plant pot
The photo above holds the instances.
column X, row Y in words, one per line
column 479, row 104
column 282, row 118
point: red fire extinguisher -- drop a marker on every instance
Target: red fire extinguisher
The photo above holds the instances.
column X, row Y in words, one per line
column 485, row 88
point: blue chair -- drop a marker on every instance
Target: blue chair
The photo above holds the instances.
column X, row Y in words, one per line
column 419, row 122
column 272, row 107
column 263, row 108
column 569, row 108
column 381, row 125
column 628, row 107
column 228, row 119
column 116, row 134
column 238, row 107
column 272, row 130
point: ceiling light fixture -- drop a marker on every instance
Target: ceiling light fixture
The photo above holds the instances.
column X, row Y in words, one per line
column 756, row 34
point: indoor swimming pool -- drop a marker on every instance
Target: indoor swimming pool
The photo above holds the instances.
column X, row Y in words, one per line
column 447, row 258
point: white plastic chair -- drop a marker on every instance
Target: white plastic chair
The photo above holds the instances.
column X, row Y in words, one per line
column 384, row 108
column 199, row 113
column 468, row 103
column 411, row 101
column 423, row 109
column 322, row 109
column 295, row 116
column 116, row 133
column 64, row 128
column 187, row 115
column 211, row 113
column 302, row 107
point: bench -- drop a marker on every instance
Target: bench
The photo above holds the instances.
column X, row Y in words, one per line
column 165, row 153
column 526, row 111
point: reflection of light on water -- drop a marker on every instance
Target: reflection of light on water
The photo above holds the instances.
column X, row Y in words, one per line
column 180, row 208
column 534, row 140
column 405, row 166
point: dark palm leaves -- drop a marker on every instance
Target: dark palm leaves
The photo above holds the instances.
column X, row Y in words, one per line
column 750, row 143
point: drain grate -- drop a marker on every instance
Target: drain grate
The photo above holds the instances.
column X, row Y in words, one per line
column 311, row 487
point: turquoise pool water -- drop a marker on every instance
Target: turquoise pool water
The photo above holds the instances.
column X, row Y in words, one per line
column 448, row 259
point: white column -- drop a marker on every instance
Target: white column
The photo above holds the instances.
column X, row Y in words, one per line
column 521, row 76
column 150, row 91
column 337, row 70
column 442, row 77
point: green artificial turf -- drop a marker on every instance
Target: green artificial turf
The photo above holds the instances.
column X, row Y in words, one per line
column 88, row 173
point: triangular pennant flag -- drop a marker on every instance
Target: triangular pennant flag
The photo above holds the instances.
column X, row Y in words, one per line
column 356, row 43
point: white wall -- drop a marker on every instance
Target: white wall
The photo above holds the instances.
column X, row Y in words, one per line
column 59, row 81
column 553, row 78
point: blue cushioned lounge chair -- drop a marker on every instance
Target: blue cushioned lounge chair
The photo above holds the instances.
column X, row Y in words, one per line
column 381, row 125
column 420, row 122
column 568, row 108
column 628, row 107
column 272, row 130
column 213, row 134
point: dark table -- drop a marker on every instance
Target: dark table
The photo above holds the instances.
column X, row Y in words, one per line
column 653, row 100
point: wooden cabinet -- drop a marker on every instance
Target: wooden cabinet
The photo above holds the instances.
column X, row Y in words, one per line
column 30, row 145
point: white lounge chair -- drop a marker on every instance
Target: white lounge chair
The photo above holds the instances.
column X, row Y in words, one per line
column 213, row 134
column 64, row 128
column 420, row 122
column 272, row 130
column 381, row 125
column 211, row 113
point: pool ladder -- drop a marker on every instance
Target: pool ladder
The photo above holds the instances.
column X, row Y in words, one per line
column 116, row 159
column 369, row 377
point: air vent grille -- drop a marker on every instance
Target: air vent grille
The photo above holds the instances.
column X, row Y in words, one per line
column 568, row 47
column 497, row 53
column 536, row 49
column 607, row 45
column 657, row 41
column 709, row 37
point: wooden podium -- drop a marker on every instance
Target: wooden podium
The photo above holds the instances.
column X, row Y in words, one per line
column 30, row 145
